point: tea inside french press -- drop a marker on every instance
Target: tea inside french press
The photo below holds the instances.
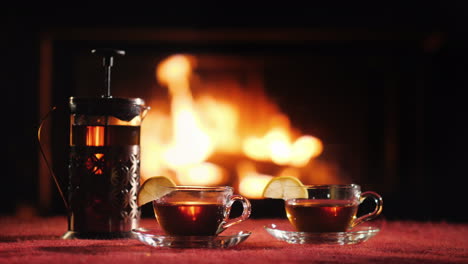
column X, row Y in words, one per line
column 104, row 162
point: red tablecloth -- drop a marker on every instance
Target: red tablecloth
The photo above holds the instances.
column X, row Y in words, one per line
column 38, row 241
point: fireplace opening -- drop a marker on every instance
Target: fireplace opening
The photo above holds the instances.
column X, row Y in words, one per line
column 241, row 110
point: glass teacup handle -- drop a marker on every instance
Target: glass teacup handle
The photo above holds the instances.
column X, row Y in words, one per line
column 377, row 210
column 245, row 213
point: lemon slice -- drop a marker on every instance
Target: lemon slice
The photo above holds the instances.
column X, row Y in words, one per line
column 153, row 188
column 285, row 187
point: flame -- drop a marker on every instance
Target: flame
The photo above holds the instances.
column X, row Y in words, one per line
column 252, row 184
column 276, row 146
column 240, row 122
column 175, row 72
column 190, row 144
column 221, row 121
column 304, row 149
column 204, row 173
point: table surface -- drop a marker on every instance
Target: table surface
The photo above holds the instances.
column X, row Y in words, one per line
column 38, row 241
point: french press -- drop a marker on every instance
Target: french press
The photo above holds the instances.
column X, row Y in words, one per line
column 104, row 162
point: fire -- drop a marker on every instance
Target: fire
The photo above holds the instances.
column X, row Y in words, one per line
column 251, row 182
column 304, row 149
column 204, row 173
column 190, row 143
column 276, row 146
column 181, row 142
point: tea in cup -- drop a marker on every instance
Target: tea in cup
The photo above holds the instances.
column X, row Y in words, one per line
column 330, row 208
column 198, row 211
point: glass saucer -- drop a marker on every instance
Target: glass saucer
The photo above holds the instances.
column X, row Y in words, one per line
column 357, row 235
column 156, row 238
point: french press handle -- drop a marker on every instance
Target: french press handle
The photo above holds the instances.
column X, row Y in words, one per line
column 58, row 182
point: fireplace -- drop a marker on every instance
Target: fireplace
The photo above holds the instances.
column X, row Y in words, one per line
column 237, row 106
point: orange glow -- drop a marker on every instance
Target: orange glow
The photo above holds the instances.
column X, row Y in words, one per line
column 191, row 211
column 254, row 148
column 95, row 163
column 220, row 121
column 251, row 182
column 95, row 136
column 332, row 210
column 304, row 149
column 190, row 143
column 218, row 116
column 175, row 72
column 201, row 174
column 277, row 147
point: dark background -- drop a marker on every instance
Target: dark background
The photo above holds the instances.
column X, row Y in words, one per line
column 426, row 75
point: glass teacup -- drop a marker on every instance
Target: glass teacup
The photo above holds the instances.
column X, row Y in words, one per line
column 330, row 208
column 198, row 211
